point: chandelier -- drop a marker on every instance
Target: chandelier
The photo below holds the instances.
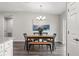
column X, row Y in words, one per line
column 41, row 17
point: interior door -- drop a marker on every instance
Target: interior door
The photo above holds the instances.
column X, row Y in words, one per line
column 73, row 30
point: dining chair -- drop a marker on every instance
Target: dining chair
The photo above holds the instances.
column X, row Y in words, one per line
column 25, row 44
column 51, row 41
column 35, row 33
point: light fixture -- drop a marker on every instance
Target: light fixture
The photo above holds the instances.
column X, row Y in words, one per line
column 41, row 17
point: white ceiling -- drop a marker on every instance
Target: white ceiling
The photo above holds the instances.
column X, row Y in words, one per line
column 47, row 7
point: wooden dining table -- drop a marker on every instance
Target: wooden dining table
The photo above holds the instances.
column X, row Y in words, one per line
column 39, row 37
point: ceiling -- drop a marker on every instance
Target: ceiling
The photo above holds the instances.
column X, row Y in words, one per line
column 47, row 7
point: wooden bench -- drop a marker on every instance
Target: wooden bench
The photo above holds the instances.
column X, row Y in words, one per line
column 39, row 43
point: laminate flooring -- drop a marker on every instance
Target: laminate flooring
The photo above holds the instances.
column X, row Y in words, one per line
column 18, row 50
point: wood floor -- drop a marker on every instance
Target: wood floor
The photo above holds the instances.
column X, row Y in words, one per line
column 18, row 50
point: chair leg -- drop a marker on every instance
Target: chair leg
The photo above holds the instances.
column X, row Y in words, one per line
column 50, row 48
column 27, row 49
column 25, row 46
column 42, row 41
column 29, row 46
column 39, row 45
column 53, row 47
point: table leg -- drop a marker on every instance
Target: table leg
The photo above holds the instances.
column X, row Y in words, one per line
column 27, row 44
column 53, row 45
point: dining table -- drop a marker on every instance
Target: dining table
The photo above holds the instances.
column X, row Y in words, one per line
column 31, row 37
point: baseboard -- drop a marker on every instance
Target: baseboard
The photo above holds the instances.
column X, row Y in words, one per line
column 59, row 42
column 19, row 40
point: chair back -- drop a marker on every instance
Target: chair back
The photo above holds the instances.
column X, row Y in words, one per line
column 35, row 33
column 44, row 33
column 54, row 35
column 25, row 35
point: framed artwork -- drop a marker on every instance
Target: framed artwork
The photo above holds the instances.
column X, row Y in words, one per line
column 44, row 27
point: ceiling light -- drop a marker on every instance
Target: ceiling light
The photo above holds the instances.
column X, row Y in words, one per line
column 41, row 17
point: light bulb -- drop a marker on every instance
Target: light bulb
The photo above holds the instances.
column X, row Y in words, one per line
column 37, row 18
column 44, row 17
column 40, row 17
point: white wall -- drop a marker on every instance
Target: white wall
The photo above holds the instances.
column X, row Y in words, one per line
column 62, row 28
column 23, row 23
column 1, row 28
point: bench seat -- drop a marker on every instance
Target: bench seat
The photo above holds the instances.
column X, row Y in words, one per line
column 39, row 43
